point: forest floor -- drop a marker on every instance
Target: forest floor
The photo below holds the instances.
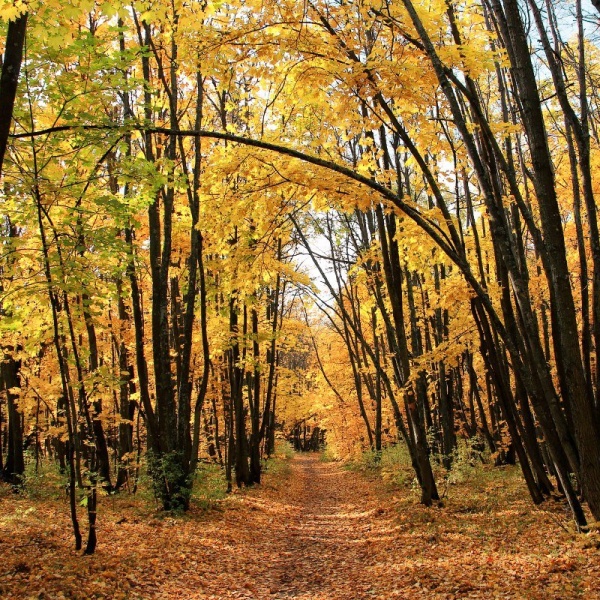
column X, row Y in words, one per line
column 314, row 530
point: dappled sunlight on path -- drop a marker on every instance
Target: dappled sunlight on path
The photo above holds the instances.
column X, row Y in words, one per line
column 317, row 532
column 327, row 543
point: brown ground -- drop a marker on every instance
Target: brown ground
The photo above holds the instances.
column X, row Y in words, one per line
column 319, row 532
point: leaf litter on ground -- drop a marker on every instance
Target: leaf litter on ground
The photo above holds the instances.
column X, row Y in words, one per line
column 313, row 531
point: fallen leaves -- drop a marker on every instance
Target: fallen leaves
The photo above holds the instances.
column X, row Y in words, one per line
column 318, row 532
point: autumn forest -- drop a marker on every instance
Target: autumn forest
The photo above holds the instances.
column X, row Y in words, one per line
column 268, row 255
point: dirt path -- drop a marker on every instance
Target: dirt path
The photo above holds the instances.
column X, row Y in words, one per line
column 326, row 544
column 318, row 533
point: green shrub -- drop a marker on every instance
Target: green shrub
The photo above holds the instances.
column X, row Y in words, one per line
column 171, row 483
column 328, row 455
column 210, row 485
column 392, row 465
column 278, row 463
column 47, row 483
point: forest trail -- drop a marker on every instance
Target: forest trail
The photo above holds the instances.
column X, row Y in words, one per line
column 315, row 531
column 323, row 548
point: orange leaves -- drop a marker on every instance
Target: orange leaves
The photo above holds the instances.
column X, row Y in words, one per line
column 313, row 530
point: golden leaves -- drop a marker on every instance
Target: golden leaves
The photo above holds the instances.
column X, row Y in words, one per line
column 11, row 9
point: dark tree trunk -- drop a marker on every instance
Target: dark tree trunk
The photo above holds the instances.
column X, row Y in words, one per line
column 102, row 459
column 11, row 67
column 532, row 367
column 273, row 313
column 254, row 397
column 565, row 331
column 126, row 405
column 236, row 379
column 69, row 403
column 14, row 466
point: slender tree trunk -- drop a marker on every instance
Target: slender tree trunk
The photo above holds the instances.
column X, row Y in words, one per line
column 70, row 414
column 127, row 406
column 236, row 375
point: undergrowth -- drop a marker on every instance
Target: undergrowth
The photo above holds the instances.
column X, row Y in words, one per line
column 328, row 455
column 471, row 471
column 43, row 481
column 278, row 464
column 46, row 483
column 392, row 465
column 210, row 486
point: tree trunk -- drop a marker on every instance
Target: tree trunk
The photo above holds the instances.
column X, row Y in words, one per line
column 11, row 67
column 14, row 466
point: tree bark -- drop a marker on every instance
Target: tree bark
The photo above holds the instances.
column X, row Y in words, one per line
column 11, row 67
column 14, row 466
